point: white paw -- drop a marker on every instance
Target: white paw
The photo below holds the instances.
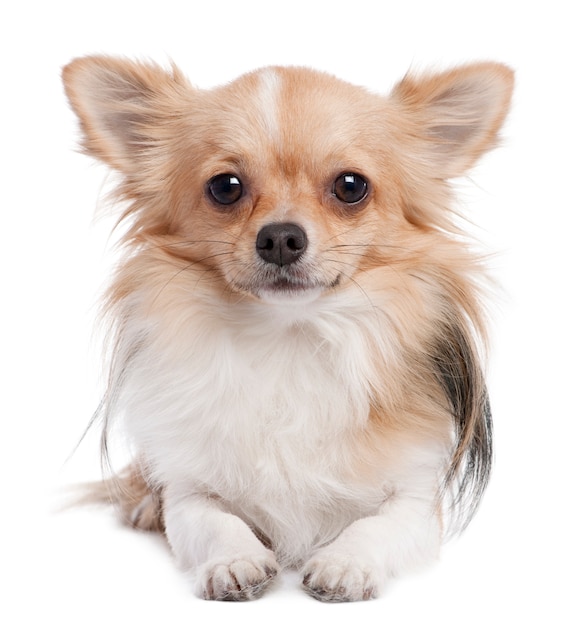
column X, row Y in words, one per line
column 244, row 577
column 335, row 577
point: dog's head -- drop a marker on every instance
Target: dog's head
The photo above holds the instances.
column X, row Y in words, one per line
column 287, row 183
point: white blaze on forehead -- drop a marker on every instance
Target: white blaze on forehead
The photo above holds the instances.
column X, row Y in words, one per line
column 267, row 100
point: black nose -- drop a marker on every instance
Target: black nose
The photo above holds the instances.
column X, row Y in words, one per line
column 281, row 243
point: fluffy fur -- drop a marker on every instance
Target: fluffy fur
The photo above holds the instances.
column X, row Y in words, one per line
column 298, row 368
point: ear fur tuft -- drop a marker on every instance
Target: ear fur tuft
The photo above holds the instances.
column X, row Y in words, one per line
column 116, row 100
column 456, row 114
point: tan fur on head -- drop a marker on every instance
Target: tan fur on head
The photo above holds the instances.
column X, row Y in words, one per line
column 297, row 328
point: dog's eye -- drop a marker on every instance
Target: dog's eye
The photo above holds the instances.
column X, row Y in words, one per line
column 225, row 188
column 350, row 188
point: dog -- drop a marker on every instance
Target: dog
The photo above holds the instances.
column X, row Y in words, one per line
column 297, row 327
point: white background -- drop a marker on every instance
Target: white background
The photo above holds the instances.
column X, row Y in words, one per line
column 519, row 559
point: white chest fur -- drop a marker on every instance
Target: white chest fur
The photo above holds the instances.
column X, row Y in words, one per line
column 259, row 406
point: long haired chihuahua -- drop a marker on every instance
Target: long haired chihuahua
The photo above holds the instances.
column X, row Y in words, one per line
column 297, row 332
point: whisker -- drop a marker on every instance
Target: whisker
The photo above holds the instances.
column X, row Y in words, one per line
column 363, row 291
column 187, row 243
column 341, row 262
column 340, row 234
column 366, row 246
column 189, row 266
column 390, row 268
column 349, row 253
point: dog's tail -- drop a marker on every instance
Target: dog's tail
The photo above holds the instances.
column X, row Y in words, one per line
column 138, row 504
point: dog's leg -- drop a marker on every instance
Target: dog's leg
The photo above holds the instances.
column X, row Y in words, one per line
column 225, row 558
column 405, row 533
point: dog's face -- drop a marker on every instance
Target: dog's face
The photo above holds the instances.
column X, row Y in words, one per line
column 287, row 183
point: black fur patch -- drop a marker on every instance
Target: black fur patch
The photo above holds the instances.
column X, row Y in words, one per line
column 460, row 374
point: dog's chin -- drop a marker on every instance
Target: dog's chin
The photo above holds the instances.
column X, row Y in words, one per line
column 289, row 294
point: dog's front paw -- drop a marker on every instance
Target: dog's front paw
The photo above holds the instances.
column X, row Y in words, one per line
column 241, row 578
column 333, row 577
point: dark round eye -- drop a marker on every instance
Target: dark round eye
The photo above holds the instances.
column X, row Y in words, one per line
column 225, row 188
column 350, row 188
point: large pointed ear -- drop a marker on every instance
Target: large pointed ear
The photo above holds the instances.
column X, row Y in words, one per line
column 119, row 104
column 456, row 115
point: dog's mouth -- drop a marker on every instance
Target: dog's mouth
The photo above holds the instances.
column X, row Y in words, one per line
column 284, row 268
column 288, row 287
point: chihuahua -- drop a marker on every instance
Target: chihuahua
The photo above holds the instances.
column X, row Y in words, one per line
column 297, row 332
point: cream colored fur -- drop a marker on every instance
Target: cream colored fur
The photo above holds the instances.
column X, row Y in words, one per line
column 308, row 414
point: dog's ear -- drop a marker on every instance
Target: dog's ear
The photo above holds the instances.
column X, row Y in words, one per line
column 121, row 105
column 456, row 115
